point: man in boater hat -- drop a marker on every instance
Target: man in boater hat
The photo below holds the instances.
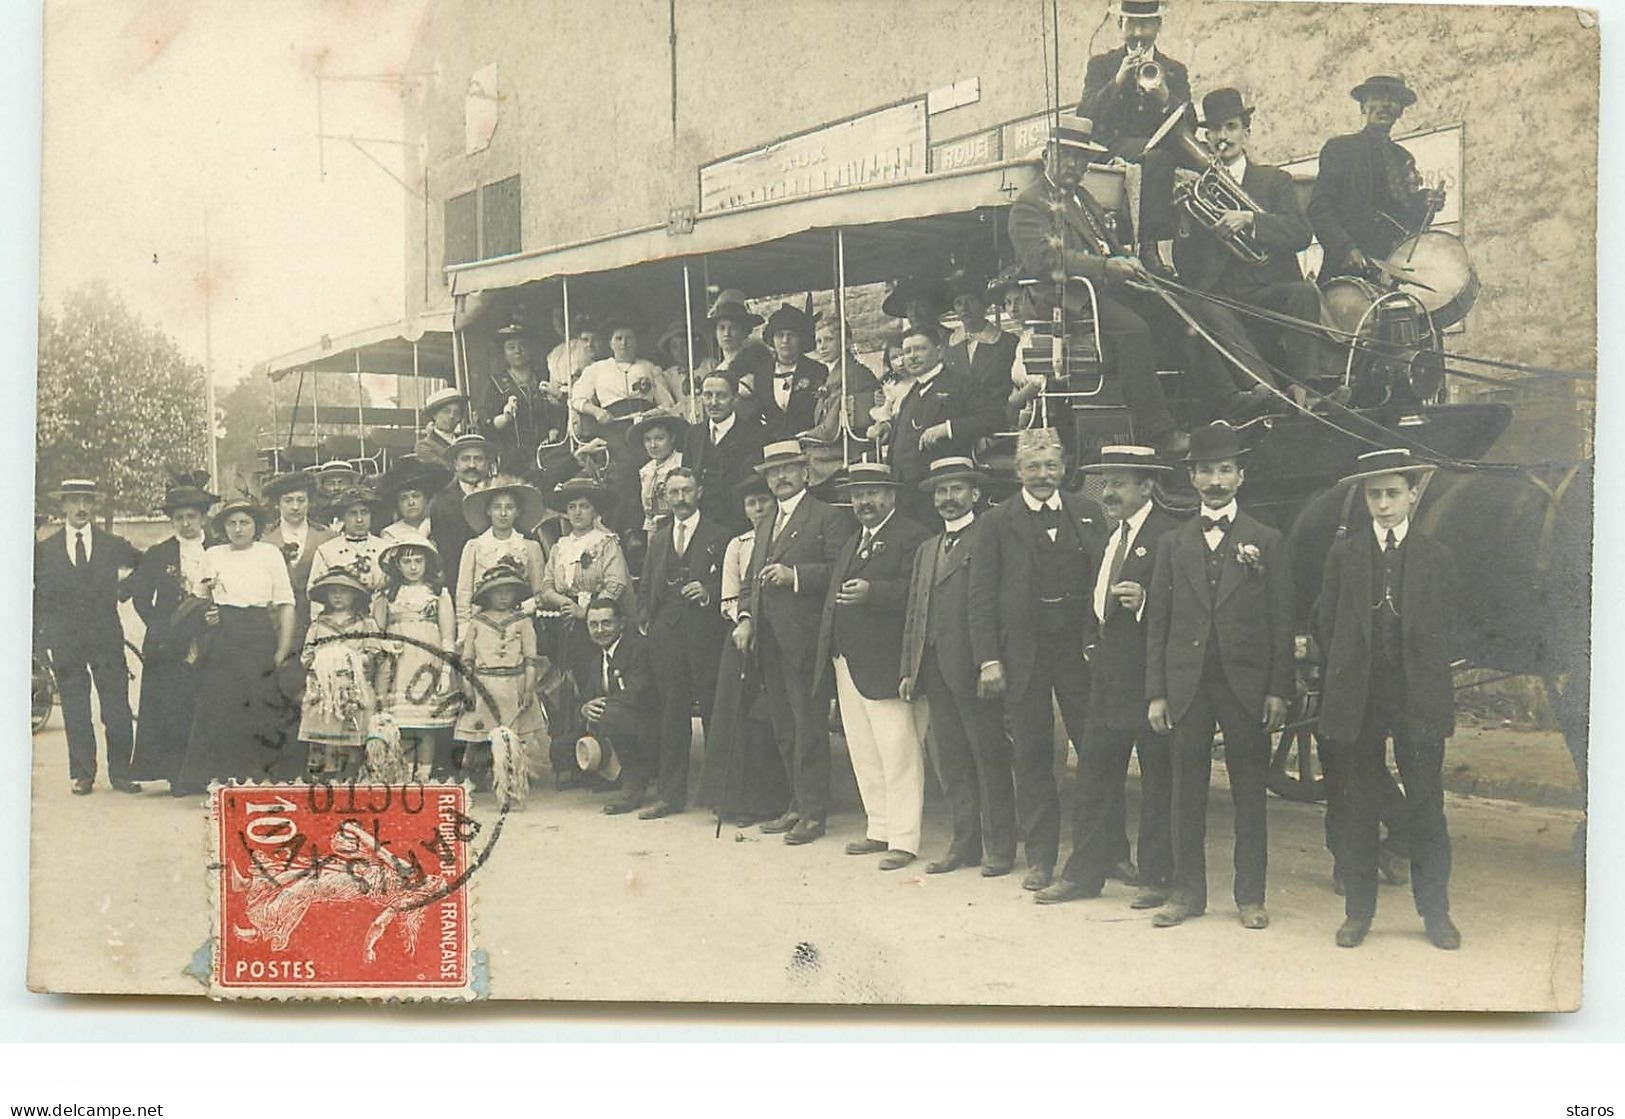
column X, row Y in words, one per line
column 77, row 572
column 1368, row 196
column 967, row 745
column 1383, row 623
column 1117, row 723
column 1218, row 621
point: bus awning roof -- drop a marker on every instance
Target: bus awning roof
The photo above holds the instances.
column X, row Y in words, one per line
column 386, row 349
column 892, row 229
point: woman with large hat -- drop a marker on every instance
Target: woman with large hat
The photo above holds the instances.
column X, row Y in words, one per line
column 737, row 352
column 786, row 393
column 503, row 512
column 444, row 409
column 587, row 561
column 407, row 489
column 243, row 726
column 168, row 594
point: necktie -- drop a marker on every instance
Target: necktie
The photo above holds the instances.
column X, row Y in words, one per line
column 80, row 557
column 716, row 435
column 608, row 687
column 865, row 539
column 1391, row 543
column 1116, row 570
column 681, row 542
column 1211, row 523
column 950, row 538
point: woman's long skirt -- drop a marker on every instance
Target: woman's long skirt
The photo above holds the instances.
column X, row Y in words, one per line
column 244, row 726
column 743, row 776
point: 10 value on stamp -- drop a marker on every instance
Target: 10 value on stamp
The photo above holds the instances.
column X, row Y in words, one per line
column 341, row 891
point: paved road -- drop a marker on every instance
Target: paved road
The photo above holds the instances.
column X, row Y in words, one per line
column 576, row 905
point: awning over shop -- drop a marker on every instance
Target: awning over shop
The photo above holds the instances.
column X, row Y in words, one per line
column 890, row 230
column 422, row 345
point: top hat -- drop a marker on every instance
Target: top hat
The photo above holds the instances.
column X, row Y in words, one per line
column 500, row 575
column 400, row 545
column 1138, row 9
column 931, row 291
column 442, row 397
column 477, row 505
column 1073, row 131
column 1394, row 83
column 186, row 491
column 790, row 318
column 240, row 505
column 413, row 473
column 953, row 468
column 731, row 305
column 294, row 481
column 781, row 453
column 337, row 577
column 466, row 441
column 1388, row 460
column 78, row 487
column 653, row 419
column 572, row 488
column 1218, row 440
column 1223, row 104
column 1033, row 439
column 867, row 474
column 1122, row 456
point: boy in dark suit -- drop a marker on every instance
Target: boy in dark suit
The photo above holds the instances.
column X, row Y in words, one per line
column 1383, row 624
column 678, row 598
column 77, row 572
column 1219, row 651
column 1117, row 724
column 617, row 691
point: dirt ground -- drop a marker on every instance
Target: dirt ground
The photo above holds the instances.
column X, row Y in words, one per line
column 575, row 905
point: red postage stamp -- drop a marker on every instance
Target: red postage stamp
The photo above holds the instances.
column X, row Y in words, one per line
column 327, row 891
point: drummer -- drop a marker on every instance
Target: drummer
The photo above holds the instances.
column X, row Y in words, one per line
column 1368, row 196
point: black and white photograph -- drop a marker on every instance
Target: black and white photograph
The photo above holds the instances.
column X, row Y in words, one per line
column 945, row 503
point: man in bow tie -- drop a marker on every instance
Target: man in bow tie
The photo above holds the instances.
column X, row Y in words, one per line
column 1030, row 623
column 787, row 396
column 1218, row 621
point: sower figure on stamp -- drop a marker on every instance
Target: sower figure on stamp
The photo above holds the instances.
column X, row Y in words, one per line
column 1383, row 622
column 678, row 603
column 77, row 573
column 968, row 747
column 1030, row 623
column 789, row 575
column 860, row 643
column 1117, row 722
column 1219, row 652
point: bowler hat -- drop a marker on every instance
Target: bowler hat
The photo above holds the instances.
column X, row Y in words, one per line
column 1138, row 9
column 1222, row 105
column 294, row 481
column 781, row 453
column 731, row 305
column 477, row 505
column 1388, row 460
column 1217, row 441
column 1125, row 456
column 1392, row 83
column 953, row 468
column 337, row 577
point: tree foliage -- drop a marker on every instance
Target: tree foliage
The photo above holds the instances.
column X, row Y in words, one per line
column 118, row 402
column 246, row 413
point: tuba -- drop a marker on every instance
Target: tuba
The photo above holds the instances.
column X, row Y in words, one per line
column 1213, row 192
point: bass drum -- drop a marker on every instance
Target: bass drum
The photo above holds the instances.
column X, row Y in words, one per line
column 1439, row 260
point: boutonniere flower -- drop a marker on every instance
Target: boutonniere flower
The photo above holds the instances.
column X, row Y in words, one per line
column 587, row 558
column 290, row 551
column 803, row 384
column 1139, row 551
column 1249, row 556
column 361, row 565
column 173, row 571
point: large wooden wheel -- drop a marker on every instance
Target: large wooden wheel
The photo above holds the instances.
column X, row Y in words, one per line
column 1295, row 770
column 42, row 695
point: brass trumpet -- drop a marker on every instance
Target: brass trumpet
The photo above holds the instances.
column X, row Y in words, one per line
column 1149, row 77
column 1213, row 192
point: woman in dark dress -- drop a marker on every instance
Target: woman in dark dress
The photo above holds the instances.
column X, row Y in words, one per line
column 243, row 728
column 167, row 592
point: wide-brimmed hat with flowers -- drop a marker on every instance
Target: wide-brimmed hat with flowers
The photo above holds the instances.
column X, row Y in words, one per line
column 399, row 546
column 570, row 489
column 500, row 575
column 338, row 577
column 477, row 505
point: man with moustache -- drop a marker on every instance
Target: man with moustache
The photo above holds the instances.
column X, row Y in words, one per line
column 1030, row 622
column 969, row 750
column 860, row 642
column 1218, row 621
column 296, row 536
column 723, row 449
column 678, row 596
column 1383, row 623
column 789, row 575
column 471, row 463
column 1117, row 723
column 1368, row 196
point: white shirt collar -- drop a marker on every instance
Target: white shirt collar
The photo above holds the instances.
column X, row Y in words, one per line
column 1400, row 531
column 690, row 522
column 1237, row 167
column 721, row 428
column 787, row 507
column 1035, row 505
column 610, row 652
column 874, row 532
column 929, row 375
column 1230, row 511
column 466, row 488
column 961, row 524
column 1136, row 520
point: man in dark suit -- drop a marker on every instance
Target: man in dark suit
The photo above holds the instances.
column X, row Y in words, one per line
column 1061, row 233
column 617, row 691
column 789, row 575
column 860, row 644
column 1117, row 725
column 77, row 572
column 1383, row 623
column 1277, row 229
column 296, row 536
column 471, row 461
column 1218, row 622
column 722, row 450
column 1368, row 196
column 678, row 596
column 1030, row 623
column 968, row 747
column 786, row 396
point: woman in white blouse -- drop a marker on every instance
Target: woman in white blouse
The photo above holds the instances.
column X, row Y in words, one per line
column 503, row 511
column 586, row 562
column 243, row 728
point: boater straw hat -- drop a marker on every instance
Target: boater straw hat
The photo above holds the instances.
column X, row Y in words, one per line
column 78, row 487
column 477, row 505
column 1389, row 460
column 593, row 756
column 867, row 474
column 1392, row 83
column 391, row 555
column 338, row 467
column 1123, row 456
column 1073, row 131
column 954, row 468
column 338, row 577
column 1218, row 440
column 440, row 398
column 502, row 575
column 781, row 453
column 466, row 441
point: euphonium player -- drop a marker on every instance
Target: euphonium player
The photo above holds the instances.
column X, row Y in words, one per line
column 1277, row 228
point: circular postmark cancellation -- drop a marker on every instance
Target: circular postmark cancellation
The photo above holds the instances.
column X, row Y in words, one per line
column 356, row 887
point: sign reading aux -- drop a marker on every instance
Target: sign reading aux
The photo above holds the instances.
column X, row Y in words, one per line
column 887, row 145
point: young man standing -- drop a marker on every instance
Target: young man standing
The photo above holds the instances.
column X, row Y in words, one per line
column 1383, row 623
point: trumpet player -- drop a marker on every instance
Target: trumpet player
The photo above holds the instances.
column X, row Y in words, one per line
column 1264, row 214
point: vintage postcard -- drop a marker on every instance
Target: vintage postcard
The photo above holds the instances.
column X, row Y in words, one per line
column 946, row 502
